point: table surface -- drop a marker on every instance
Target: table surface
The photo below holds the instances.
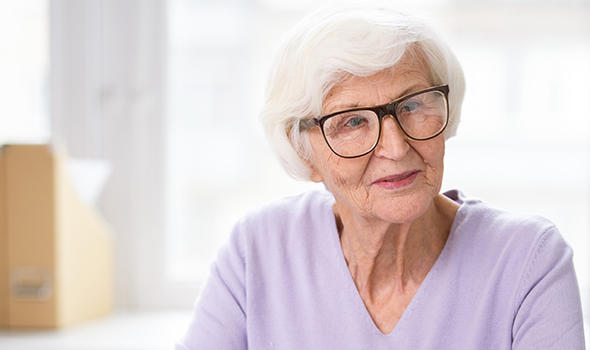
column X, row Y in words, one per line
column 123, row 330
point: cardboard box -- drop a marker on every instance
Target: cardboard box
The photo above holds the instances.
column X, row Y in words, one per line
column 55, row 250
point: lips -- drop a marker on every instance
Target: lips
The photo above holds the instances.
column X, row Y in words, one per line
column 397, row 181
column 397, row 177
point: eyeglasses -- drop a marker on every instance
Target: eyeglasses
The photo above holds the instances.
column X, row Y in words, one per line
column 355, row 132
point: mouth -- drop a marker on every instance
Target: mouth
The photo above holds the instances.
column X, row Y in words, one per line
column 397, row 180
column 397, row 177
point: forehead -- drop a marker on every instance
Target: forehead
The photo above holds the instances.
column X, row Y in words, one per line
column 407, row 76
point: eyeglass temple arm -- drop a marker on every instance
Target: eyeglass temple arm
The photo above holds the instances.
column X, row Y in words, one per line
column 305, row 124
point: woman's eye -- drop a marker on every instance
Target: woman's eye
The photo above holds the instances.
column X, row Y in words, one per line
column 354, row 122
column 410, row 106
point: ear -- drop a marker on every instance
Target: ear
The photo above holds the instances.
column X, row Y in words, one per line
column 315, row 175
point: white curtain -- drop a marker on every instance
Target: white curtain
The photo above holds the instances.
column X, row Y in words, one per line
column 106, row 101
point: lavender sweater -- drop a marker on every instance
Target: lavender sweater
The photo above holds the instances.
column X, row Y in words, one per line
column 502, row 281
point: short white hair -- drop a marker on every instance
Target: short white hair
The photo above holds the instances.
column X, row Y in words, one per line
column 329, row 45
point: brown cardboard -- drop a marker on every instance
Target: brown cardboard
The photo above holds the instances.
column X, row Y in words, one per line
column 59, row 252
column 85, row 256
column 3, row 251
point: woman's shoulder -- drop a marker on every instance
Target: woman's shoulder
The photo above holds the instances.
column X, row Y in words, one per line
column 287, row 218
column 480, row 218
column 298, row 208
column 484, row 233
column 521, row 270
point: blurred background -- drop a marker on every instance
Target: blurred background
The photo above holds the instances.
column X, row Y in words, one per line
column 166, row 94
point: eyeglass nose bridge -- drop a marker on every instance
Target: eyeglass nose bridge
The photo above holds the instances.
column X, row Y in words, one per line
column 387, row 110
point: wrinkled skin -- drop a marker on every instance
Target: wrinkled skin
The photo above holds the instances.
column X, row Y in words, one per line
column 390, row 237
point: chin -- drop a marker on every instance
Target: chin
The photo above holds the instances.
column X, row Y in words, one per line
column 403, row 209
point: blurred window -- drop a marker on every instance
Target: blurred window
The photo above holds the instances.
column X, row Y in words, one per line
column 218, row 165
column 24, row 58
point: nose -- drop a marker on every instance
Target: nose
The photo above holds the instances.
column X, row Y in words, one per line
column 392, row 142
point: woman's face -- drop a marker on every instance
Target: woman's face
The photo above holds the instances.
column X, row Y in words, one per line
column 398, row 180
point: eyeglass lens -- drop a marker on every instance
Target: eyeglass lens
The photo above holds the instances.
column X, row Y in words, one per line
column 354, row 133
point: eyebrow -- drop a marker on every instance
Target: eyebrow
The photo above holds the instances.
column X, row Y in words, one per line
column 346, row 106
column 411, row 89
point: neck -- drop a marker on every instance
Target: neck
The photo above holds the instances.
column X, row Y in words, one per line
column 386, row 257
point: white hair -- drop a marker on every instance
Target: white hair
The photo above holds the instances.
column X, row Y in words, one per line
column 329, row 45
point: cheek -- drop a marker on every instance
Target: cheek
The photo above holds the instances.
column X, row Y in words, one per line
column 432, row 151
column 433, row 157
column 436, row 158
column 345, row 174
column 335, row 171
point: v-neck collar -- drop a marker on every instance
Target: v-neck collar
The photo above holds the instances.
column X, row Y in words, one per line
column 423, row 290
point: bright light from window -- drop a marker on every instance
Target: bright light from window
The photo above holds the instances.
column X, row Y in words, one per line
column 24, row 57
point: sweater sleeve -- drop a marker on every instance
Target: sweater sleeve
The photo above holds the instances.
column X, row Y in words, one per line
column 219, row 317
column 548, row 307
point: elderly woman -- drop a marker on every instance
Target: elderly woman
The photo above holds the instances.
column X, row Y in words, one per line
column 362, row 100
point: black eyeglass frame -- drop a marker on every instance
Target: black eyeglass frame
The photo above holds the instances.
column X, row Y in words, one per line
column 381, row 111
